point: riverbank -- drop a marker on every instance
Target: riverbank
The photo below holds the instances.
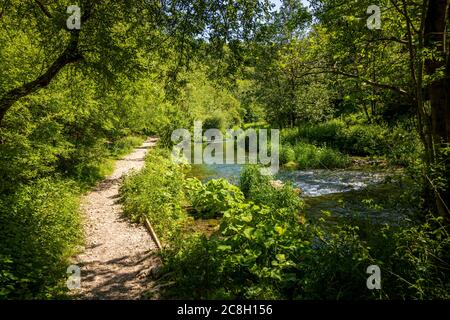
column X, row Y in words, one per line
column 256, row 241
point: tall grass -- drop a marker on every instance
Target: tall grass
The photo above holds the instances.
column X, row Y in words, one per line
column 400, row 145
column 308, row 156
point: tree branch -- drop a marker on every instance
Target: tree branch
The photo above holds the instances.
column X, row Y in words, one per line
column 373, row 83
column 69, row 55
column 398, row 90
column 394, row 39
column 43, row 8
column 404, row 14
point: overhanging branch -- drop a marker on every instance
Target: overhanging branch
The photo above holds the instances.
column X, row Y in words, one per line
column 68, row 56
column 71, row 54
column 393, row 88
column 43, row 8
column 373, row 83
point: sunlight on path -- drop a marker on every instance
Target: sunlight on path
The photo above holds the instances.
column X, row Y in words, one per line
column 118, row 254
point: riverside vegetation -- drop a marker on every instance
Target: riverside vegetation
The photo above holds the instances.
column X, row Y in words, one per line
column 345, row 98
column 264, row 248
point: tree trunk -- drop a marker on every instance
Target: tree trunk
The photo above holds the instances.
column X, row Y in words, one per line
column 436, row 38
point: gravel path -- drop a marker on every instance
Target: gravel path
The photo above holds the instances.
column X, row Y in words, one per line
column 118, row 255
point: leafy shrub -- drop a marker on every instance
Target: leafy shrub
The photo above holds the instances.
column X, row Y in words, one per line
column 309, row 156
column 330, row 158
column 263, row 250
column 156, row 193
column 287, row 154
column 363, row 139
column 399, row 144
column 8, row 281
column 195, row 268
column 412, row 259
column 216, row 121
column 405, row 148
column 321, row 132
column 250, row 257
column 257, row 188
column 336, row 267
column 256, row 125
column 86, row 162
column 215, row 197
column 257, row 247
column 29, row 150
column 39, row 230
column 261, row 253
column 251, row 180
column 415, row 259
column 125, row 145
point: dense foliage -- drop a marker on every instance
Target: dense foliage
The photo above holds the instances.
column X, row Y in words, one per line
column 39, row 230
column 264, row 249
column 73, row 101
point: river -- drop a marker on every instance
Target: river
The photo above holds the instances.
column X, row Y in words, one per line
column 365, row 194
column 313, row 183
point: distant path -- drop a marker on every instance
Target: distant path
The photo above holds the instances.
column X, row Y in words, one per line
column 118, row 254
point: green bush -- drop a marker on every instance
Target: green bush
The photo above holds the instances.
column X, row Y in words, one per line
column 287, row 154
column 257, row 248
column 264, row 250
column 336, row 267
column 364, row 139
column 252, row 181
column 415, row 259
column 156, row 193
column 405, row 148
column 399, row 144
column 216, row 121
column 191, row 270
column 321, row 132
column 215, row 197
column 39, row 231
column 262, row 253
column 125, row 145
column 310, row 157
column 257, row 188
column 249, row 257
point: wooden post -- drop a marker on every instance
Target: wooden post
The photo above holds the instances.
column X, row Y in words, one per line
column 153, row 234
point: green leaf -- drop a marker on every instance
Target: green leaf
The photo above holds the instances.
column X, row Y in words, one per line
column 248, row 232
column 224, row 248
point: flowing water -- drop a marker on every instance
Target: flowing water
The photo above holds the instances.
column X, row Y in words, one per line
column 343, row 193
column 322, row 182
column 313, row 183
